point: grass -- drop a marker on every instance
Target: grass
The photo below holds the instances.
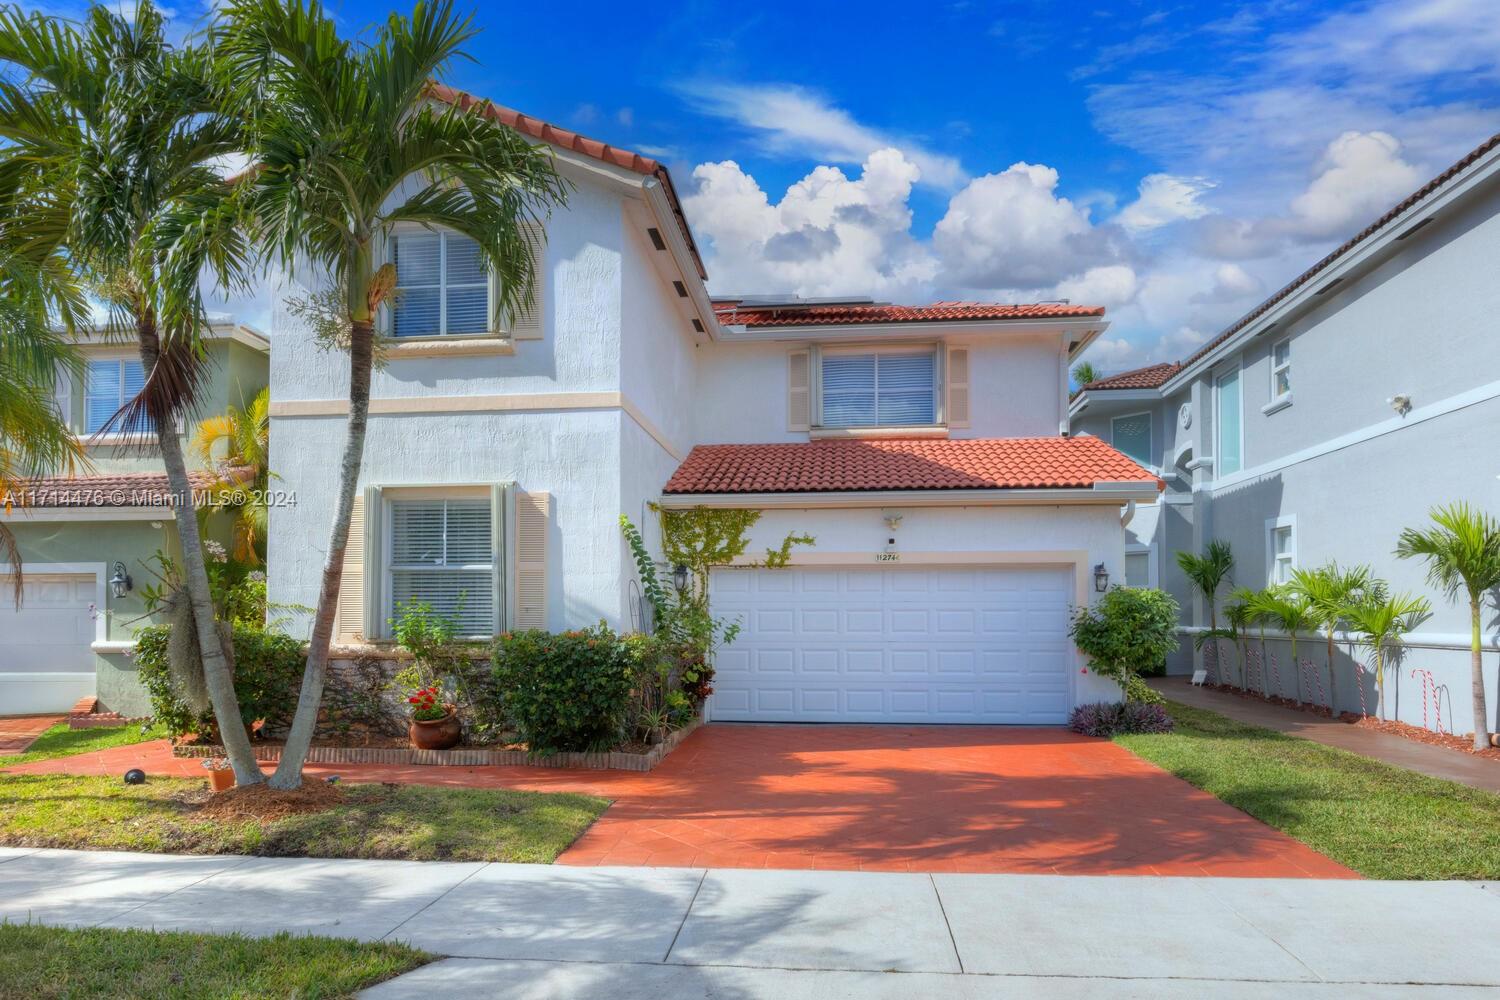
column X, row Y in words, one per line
column 1382, row 821
column 51, row 963
column 60, row 741
column 413, row 822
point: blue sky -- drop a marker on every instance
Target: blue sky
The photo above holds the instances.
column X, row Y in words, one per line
column 1173, row 162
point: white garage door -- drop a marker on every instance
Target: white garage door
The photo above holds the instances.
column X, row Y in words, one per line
column 45, row 661
column 894, row 644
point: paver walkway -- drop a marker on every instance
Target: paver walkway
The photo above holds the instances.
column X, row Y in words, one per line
column 17, row 732
column 1439, row 762
column 526, row 932
column 874, row 798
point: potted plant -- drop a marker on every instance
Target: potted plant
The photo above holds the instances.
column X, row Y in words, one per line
column 220, row 774
column 434, row 724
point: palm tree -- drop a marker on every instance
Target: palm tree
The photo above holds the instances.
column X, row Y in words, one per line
column 245, row 435
column 1291, row 612
column 1330, row 589
column 1240, row 613
column 1383, row 621
column 1083, row 373
column 109, row 147
column 1462, row 549
column 339, row 129
column 1260, row 606
column 1208, row 572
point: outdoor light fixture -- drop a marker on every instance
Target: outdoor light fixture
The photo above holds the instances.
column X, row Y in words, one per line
column 1101, row 578
column 120, row 583
column 680, row 577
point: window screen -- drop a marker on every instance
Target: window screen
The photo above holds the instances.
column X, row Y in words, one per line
column 1132, row 436
column 443, row 553
column 110, row 384
column 442, row 285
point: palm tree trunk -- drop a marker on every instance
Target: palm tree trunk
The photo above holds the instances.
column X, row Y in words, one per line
column 289, row 771
column 1379, row 681
column 1476, row 667
column 1333, row 701
column 217, row 675
column 1265, row 685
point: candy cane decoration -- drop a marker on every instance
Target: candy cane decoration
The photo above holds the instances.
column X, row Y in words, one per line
column 1359, row 682
column 1275, row 676
column 1427, row 680
column 1254, row 669
column 1309, row 669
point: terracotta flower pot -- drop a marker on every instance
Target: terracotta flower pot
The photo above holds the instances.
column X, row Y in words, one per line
column 222, row 781
column 436, row 734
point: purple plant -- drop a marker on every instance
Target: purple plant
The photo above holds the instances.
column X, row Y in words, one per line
column 1105, row 719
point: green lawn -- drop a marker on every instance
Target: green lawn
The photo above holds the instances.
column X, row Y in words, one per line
column 415, row 822
column 51, row 963
column 60, row 741
column 1382, row 821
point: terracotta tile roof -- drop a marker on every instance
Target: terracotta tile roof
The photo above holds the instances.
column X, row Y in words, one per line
column 593, row 148
column 1406, row 204
column 731, row 313
column 126, row 489
column 1149, row 377
column 893, row 464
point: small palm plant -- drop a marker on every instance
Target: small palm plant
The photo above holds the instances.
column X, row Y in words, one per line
column 1291, row 612
column 246, row 438
column 1208, row 573
column 1241, row 614
column 1462, row 550
column 1330, row 589
column 1382, row 620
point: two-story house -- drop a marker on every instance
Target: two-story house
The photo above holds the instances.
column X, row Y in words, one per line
column 1326, row 420
column 87, row 540
column 924, row 448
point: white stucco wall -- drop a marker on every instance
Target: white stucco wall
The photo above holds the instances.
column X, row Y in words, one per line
column 658, row 356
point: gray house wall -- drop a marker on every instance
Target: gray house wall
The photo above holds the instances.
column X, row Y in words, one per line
column 1350, row 470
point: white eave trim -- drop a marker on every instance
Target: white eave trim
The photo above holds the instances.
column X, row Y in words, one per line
column 40, row 515
column 1081, row 401
column 682, row 256
column 1373, row 246
column 1085, row 329
column 1112, row 494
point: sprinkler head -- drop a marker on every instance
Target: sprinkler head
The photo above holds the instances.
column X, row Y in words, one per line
column 332, row 779
column 135, row 776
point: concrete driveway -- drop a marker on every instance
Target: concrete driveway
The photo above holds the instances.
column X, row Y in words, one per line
column 980, row 799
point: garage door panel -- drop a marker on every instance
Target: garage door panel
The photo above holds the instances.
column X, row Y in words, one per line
column 873, row 644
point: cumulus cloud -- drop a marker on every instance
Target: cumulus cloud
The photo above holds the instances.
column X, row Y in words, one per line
column 1362, row 175
column 1111, row 286
column 798, row 122
column 1163, row 199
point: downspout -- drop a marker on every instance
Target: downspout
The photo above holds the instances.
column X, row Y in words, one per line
column 1128, row 514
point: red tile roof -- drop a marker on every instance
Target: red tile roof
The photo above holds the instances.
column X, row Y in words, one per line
column 126, row 489
column 565, row 139
column 1406, row 204
column 731, row 313
column 1149, row 377
column 894, row 464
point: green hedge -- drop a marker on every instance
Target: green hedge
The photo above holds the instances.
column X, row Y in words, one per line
column 565, row 691
column 267, row 677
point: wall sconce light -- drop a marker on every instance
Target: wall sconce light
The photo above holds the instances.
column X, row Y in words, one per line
column 680, row 577
column 1101, row 579
column 120, row 583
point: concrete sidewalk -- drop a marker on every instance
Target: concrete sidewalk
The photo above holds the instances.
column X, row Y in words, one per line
column 532, row 931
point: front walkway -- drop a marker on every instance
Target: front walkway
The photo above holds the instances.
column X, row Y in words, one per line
column 1438, row 762
column 874, row 798
column 533, row 931
column 17, row 732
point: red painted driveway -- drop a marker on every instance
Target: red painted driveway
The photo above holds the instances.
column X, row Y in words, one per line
column 888, row 798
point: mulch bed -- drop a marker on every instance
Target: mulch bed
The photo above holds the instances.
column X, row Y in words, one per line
column 1390, row 727
column 261, row 802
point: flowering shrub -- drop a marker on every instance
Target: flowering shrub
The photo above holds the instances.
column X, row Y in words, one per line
column 1106, row 719
column 427, row 705
column 565, row 691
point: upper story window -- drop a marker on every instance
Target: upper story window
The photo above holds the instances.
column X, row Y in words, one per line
column 108, row 385
column 1229, row 423
column 884, row 388
column 1281, row 369
column 1131, row 435
column 442, row 552
column 1281, row 547
column 442, row 284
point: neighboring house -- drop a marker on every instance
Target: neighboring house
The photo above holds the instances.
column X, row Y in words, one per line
column 1331, row 416
column 71, row 636
column 924, row 447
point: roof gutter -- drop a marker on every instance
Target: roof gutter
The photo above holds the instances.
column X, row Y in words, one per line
column 1088, row 327
column 662, row 208
column 1110, row 493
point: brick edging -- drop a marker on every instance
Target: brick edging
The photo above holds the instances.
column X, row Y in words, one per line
column 464, row 758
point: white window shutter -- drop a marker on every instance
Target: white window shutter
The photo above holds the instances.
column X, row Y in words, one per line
column 529, row 324
column 62, row 395
column 349, row 618
column 799, row 391
column 533, row 514
column 957, row 409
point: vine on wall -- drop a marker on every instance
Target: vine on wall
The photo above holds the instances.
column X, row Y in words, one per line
column 701, row 538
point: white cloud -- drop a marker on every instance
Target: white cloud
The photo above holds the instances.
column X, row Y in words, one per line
column 1111, row 286
column 1011, row 230
column 798, row 122
column 1363, row 174
column 829, row 234
column 1163, row 199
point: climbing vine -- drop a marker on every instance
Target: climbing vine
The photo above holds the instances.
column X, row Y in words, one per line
column 701, row 538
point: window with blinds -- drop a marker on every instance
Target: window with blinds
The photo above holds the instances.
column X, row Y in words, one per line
column 108, row 386
column 443, row 553
column 879, row 389
column 442, row 285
